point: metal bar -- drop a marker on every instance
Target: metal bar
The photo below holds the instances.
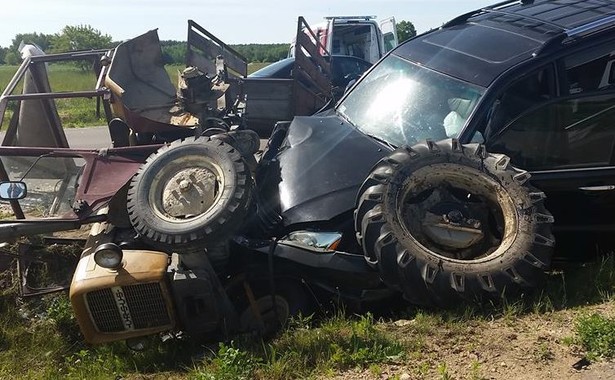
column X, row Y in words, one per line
column 72, row 56
column 57, row 95
column 464, row 17
column 69, row 152
column 11, row 133
column 592, row 26
column 196, row 26
column 100, row 83
column 10, row 87
column 30, row 227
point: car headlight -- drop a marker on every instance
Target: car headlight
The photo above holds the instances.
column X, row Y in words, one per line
column 326, row 241
column 108, row 255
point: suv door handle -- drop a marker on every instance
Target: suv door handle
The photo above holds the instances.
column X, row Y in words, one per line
column 598, row 188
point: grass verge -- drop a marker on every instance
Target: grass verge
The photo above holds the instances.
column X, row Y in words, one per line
column 39, row 339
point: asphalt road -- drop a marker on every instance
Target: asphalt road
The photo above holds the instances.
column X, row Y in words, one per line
column 85, row 138
column 97, row 137
column 88, row 138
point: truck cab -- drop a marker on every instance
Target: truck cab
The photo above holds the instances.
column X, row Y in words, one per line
column 358, row 36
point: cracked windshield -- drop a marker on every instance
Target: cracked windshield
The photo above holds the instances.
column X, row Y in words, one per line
column 402, row 103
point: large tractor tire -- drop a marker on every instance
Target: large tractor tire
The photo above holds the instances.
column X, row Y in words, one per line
column 190, row 194
column 444, row 222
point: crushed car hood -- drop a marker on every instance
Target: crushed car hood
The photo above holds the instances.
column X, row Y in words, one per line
column 322, row 163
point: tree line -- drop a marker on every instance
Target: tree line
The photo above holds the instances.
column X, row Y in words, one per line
column 174, row 52
column 83, row 37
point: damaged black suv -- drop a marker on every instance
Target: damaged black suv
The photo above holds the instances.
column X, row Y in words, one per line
column 518, row 86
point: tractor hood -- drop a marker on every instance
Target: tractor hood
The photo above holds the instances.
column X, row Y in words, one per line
column 320, row 166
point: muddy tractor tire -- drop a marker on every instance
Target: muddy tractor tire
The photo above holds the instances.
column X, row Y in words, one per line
column 445, row 222
column 189, row 194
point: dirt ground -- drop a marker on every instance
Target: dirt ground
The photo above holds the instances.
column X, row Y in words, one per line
column 534, row 346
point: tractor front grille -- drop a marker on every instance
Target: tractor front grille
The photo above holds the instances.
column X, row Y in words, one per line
column 126, row 308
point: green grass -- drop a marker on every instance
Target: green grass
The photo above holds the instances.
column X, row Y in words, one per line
column 596, row 334
column 6, row 73
column 40, row 339
column 78, row 112
column 252, row 67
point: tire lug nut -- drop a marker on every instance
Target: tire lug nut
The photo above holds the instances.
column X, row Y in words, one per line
column 455, row 216
column 184, row 185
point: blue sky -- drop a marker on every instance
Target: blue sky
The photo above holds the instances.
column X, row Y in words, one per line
column 233, row 21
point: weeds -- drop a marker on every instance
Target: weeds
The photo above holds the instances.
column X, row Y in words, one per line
column 475, row 370
column 340, row 343
column 229, row 364
column 543, row 353
column 563, row 288
column 443, row 371
column 597, row 336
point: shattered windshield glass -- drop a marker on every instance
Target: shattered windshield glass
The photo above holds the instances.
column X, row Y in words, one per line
column 402, row 103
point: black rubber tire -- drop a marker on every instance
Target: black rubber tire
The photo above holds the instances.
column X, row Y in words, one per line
column 425, row 276
column 246, row 141
column 291, row 299
column 216, row 223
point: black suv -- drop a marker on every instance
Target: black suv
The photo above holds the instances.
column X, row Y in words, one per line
column 522, row 82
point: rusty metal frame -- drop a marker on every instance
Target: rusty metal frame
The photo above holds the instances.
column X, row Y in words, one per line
column 99, row 91
column 106, row 172
column 204, row 47
column 30, row 63
column 310, row 66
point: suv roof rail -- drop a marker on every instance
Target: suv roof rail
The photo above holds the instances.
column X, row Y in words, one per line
column 591, row 27
column 569, row 34
column 499, row 9
column 562, row 32
column 464, row 17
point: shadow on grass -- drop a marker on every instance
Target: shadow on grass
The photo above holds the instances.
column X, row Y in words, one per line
column 567, row 285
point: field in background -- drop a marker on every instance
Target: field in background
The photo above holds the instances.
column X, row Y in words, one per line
column 79, row 112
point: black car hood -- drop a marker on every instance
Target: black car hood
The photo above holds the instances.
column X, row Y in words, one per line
column 321, row 165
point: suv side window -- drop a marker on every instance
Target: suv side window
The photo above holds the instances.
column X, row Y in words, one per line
column 522, row 95
column 589, row 70
column 584, row 137
column 573, row 131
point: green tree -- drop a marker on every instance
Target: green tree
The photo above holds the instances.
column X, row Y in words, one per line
column 82, row 37
column 405, row 30
column 173, row 52
column 12, row 58
column 3, row 52
column 39, row 39
column 262, row 52
column 11, row 55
